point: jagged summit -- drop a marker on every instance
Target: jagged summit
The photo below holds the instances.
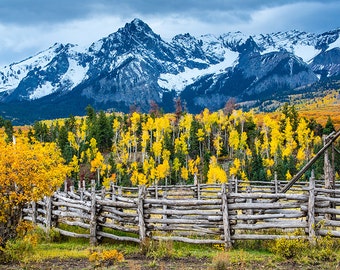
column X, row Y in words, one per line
column 135, row 65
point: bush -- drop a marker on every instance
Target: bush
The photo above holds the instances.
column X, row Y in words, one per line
column 221, row 261
column 157, row 249
column 324, row 248
column 106, row 257
column 23, row 246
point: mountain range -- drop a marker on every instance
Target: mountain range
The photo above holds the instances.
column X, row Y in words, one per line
column 134, row 66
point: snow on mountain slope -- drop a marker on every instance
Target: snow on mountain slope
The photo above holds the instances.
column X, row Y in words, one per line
column 179, row 81
column 301, row 44
column 11, row 76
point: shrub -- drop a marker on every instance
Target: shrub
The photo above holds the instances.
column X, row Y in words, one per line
column 324, row 249
column 221, row 261
column 106, row 257
column 157, row 249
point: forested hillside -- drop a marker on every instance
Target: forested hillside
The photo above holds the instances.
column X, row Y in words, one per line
column 138, row 148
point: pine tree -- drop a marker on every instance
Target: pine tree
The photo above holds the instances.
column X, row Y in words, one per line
column 329, row 127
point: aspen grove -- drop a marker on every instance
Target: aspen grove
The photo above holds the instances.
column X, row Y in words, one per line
column 160, row 149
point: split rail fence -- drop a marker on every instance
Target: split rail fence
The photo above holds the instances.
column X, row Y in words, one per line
column 215, row 214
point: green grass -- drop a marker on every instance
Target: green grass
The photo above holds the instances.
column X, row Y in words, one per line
column 251, row 254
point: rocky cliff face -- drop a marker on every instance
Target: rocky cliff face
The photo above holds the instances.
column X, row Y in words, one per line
column 134, row 66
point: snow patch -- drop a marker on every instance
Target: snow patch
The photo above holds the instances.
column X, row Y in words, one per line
column 179, row 81
column 306, row 52
column 333, row 45
column 75, row 73
column 42, row 90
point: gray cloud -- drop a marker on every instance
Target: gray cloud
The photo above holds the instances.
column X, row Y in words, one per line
column 29, row 26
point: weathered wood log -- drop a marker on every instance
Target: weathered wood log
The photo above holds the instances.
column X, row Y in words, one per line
column 70, row 214
column 261, row 237
column 93, row 216
column 263, row 206
column 62, row 198
column 189, row 240
column 112, row 210
column 48, row 201
column 118, row 238
column 140, row 212
column 117, row 204
column 72, row 234
column 177, row 221
column 329, row 232
column 34, row 212
column 75, row 223
column 296, row 214
column 255, row 195
column 191, row 202
column 119, row 228
column 325, row 222
column 311, row 210
column 177, row 228
column 216, row 207
column 83, row 207
column 201, row 212
column 120, row 219
column 327, row 199
column 271, row 225
column 226, row 225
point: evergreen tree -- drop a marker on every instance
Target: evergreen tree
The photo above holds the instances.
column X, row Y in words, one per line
column 329, row 127
column 8, row 130
column 257, row 171
column 103, row 132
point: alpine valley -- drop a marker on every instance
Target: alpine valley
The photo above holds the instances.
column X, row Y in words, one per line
column 134, row 66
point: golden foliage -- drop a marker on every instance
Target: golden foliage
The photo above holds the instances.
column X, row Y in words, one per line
column 28, row 172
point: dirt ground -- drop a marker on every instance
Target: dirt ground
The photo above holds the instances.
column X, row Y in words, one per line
column 129, row 263
column 141, row 263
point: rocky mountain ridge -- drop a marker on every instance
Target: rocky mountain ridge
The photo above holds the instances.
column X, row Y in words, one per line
column 134, row 66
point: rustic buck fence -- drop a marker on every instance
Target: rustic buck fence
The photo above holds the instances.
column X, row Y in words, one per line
column 206, row 214
column 216, row 214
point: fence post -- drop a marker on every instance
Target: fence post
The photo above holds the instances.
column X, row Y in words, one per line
column 34, row 212
column 226, row 224
column 140, row 211
column 113, row 191
column 93, row 215
column 48, row 203
column 249, row 201
column 276, row 187
column 311, row 210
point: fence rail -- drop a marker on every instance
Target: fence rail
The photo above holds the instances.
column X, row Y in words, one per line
column 216, row 214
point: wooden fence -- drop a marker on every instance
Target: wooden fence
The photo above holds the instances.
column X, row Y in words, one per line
column 216, row 214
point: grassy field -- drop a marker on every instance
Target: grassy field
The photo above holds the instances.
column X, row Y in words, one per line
column 67, row 253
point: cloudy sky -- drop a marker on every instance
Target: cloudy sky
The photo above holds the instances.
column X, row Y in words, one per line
column 30, row 26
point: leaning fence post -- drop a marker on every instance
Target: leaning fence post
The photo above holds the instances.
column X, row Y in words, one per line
column 140, row 211
column 311, row 210
column 226, row 224
column 93, row 216
column 48, row 203
column 34, row 212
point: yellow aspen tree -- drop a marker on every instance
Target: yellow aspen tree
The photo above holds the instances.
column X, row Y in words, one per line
column 176, row 166
column 290, row 144
column 144, row 141
column 215, row 173
column 97, row 164
column 184, row 173
column 234, row 140
column 134, row 119
column 235, row 168
column 218, row 144
column 28, row 172
column 200, row 137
